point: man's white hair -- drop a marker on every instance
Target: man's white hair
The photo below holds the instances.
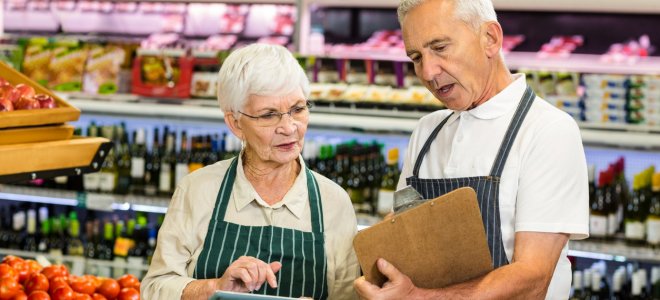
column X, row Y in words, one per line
column 472, row 12
column 258, row 69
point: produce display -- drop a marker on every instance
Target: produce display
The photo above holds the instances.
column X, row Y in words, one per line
column 27, row 279
column 22, row 96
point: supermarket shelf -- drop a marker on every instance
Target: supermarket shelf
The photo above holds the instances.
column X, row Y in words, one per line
column 614, row 135
column 361, row 120
column 581, row 63
column 613, row 250
column 94, row 201
column 610, row 6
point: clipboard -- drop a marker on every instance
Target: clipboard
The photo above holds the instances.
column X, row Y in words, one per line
column 438, row 243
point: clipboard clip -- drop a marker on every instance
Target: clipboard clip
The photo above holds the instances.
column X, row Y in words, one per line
column 406, row 198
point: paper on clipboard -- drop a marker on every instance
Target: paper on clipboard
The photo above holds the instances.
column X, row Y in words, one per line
column 438, row 243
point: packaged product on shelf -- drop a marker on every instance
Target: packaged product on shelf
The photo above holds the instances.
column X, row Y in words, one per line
column 328, row 71
column 265, row 20
column 36, row 62
column 356, row 72
column 102, row 69
column 162, row 73
column 628, row 52
column 547, row 83
column 511, row 41
column 384, row 73
column 378, row 94
column 567, row 83
column 205, row 75
column 355, row 93
column 561, row 46
column 410, row 78
column 67, row 65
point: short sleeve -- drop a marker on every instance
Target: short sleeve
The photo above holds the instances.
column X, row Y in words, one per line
column 553, row 184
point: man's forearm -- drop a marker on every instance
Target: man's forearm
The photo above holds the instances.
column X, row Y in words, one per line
column 514, row 281
column 199, row 289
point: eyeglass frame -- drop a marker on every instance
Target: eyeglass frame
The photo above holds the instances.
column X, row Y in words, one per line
column 280, row 115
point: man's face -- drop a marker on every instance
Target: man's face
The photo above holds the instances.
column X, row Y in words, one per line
column 448, row 55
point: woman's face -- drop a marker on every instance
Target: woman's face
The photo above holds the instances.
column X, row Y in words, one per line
column 269, row 139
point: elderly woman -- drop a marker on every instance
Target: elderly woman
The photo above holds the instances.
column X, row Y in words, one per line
column 261, row 222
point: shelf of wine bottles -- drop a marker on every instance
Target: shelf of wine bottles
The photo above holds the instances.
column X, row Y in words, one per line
column 609, row 281
column 89, row 242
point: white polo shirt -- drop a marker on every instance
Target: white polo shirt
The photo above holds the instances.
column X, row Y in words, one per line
column 544, row 182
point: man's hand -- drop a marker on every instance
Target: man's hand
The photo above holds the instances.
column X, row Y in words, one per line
column 398, row 285
column 248, row 274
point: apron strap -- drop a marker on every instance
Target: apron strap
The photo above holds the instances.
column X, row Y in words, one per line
column 427, row 145
column 512, row 132
column 315, row 206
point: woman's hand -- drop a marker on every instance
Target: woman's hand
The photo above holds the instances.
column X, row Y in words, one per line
column 248, row 274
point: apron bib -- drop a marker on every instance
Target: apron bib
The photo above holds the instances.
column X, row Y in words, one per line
column 487, row 187
column 302, row 254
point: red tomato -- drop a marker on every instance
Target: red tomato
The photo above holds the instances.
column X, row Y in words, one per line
column 81, row 296
column 129, row 281
column 54, row 271
column 128, row 294
column 97, row 296
column 82, row 285
column 7, row 271
column 9, row 288
column 62, row 293
column 39, row 295
column 11, row 258
column 20, row 296
column 22, row 269
column 36, row 282
column 56, row 283
column 94, row 280
column 33, row 265
column 109, row 288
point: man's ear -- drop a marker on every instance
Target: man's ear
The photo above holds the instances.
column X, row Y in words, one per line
column 234, row 126
column 492, row 37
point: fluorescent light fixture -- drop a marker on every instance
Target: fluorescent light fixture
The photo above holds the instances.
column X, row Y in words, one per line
column 149, row 208
column 599, row 256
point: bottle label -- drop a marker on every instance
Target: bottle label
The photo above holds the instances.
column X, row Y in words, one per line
column 122, row 245
column 92, row 181
column 653, row 231
column 597, row 226
column 634, row 230
column 106, row 182
column 164, row 184
column 137, row 167
column 385, row 202
column 180, row 172
column 612, row 224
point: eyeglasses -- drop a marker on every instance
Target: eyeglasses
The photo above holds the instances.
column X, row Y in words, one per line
column 297, row 113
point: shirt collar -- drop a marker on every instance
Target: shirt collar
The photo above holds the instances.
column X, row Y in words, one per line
column 295, row 199
column 500, row 104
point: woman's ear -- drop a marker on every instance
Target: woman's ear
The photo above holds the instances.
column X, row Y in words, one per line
column 493, row 36
column 234, row 126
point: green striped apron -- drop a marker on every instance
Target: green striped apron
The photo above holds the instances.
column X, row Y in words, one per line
column 302, row 254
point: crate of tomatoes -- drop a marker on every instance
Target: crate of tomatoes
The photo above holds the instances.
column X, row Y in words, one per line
column 27, row 279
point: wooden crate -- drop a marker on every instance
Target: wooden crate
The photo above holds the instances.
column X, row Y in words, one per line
column 53, row 155
column 22, row 135
column 64, row 111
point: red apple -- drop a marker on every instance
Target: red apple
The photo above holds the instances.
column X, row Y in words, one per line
column 45, row 101
column 27, row 103
column 23, row 90
column 6, row 105
column 6, row 91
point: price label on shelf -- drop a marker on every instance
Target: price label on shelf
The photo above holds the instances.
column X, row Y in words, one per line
column 100, row 202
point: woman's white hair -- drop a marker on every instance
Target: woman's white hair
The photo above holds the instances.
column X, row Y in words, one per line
column 472, row 12
column 258, row 69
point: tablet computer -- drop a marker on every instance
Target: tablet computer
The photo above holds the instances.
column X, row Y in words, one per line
column 224, row 295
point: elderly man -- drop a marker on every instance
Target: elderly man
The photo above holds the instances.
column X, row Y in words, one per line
column 523, row 156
